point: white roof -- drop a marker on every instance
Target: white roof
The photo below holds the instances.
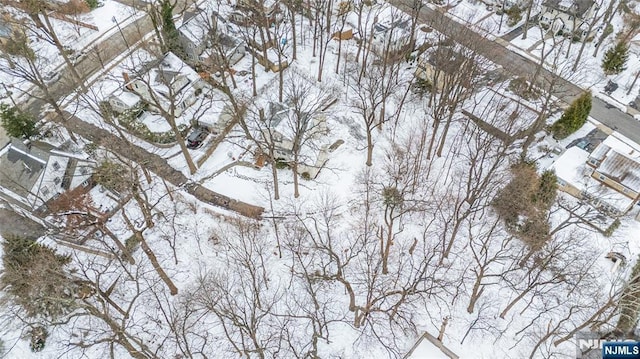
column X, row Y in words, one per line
column 130, row 99
column 196, row 27
column 570, row 166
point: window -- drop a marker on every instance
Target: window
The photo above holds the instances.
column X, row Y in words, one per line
column 625, row 190
column 45, row 191
column 602, row 177
column 56, row 166
column 561, row 183
column 593, row 161
column 56, row 180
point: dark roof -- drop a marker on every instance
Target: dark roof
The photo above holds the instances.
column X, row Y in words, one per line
column 574, row 7
column 446, row 59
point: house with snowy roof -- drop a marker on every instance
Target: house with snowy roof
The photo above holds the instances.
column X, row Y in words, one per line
column 122, row 101
column 278, row 132
column 438, row 62
column 207, row 39
column 391, row 37
column 195, row 32
column 33, row 174
column 567, row 17
column 167, row 85
column 608, row 178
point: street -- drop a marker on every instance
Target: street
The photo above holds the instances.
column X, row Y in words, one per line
column 517, row 65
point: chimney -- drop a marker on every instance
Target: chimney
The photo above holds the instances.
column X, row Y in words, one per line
column 126, row 81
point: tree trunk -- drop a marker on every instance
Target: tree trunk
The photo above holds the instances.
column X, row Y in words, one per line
column 526, row 22
column 476, row 292
column 294, row 167
column 274, row 172
column 443, row 137
column 58, row 44
column 369, row 148
column 156, row 265
column 514, row 302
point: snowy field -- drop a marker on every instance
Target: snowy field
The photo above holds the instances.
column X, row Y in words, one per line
column 367, row 258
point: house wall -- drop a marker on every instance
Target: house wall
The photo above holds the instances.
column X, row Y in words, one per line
column 568, row 188
column 191, row 51
column 615, row 185
column 395, row 44
column 427, row 72
column 119, row 106
column 566, row 23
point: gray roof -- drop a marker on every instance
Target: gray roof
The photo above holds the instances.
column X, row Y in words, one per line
column 600, row 152
column 21, row 166
column 574, row 7
column 446, row 59
column 622, row 169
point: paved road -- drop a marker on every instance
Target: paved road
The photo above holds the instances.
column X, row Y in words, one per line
column 96, row 59
column 513, row 33
column 155, row 164
column 12, row 223
column 517, row 65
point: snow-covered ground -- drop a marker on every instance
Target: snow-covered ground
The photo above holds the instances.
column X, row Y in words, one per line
column 315, row 261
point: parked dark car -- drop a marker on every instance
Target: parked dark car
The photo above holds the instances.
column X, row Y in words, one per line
column 196, row 137
column 610, row 87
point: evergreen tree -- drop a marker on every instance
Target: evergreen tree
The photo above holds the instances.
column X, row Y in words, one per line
column 17, row 123
column 573, row 118
column 615, row 59
column 35, row 278
column 169, row 29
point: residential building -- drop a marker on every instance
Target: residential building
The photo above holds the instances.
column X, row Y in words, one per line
column 33, row 174
column 608, row 178
column 279, row 133
column 438, row 63
column 430, row 347
column 196, row 31
column 226, row 52
column 122, row 101
column 567, row 17
column 168, row 85
column 207, row 39
column 391, row 38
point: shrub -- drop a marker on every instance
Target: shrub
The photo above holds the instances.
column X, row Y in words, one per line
column 514, row 15
column 112, row 176
column 573, row 118
column 524, row 202
column 547, row 189
column 93, row 4
column 39, row 336
column 612, row 228
column 305, row 176
column 129, row 120
column 281, row 163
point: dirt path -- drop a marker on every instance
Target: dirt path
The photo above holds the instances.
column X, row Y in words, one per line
column 157, row 165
